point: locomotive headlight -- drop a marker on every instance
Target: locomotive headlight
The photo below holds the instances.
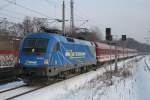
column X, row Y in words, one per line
column 46, row 61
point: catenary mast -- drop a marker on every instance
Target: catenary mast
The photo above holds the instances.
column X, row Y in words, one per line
column 72, row 30
column 63, row 17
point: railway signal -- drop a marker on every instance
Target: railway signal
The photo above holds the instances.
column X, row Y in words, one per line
column 108, row 34
column 109, row 39
column 124, row 38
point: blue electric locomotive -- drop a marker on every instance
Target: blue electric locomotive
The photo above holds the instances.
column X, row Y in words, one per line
column 48, row 54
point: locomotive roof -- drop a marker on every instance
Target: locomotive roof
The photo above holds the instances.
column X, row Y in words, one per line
column 103, row 45
column 59, row 38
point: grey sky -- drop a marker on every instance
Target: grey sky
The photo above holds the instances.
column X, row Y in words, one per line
column 130, row 17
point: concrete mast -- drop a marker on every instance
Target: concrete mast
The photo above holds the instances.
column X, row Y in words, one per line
column 72, row 18
column 63, row 18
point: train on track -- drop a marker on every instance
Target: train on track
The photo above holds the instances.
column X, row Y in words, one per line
column 8, row 57
column 48, row 55
column 8, row 50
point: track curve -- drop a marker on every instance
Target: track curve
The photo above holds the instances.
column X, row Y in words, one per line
column 145, row 61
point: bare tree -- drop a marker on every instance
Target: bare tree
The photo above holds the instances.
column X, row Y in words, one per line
column 39, row 22
column 16, row 29
column 3, row 26
column 27, row 25
column 93, row 34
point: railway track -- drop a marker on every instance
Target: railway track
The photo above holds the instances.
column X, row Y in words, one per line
column 15, row 96
column 146, row 64
column 15, row 92
column 12, row 89
column 18, row 91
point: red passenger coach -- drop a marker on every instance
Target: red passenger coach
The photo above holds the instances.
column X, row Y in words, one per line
column 103, row 52
column 9, row 52
column 9, row 46
column 8, row 58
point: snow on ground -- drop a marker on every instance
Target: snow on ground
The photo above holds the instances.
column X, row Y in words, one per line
column 94, row 85
column 143, row 79
column 11, row 93
column 11, row 85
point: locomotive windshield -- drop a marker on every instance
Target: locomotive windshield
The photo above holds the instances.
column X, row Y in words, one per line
column 35, row 46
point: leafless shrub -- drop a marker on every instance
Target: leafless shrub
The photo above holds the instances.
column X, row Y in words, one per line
column 126, row 73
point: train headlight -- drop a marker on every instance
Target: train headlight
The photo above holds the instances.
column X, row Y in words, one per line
column 46, row 61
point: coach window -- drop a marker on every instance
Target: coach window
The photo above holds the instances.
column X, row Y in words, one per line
column 56, row 47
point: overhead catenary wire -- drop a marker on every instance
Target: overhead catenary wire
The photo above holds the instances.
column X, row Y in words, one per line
column 78, row 17
column 84, row 20
column 91, row 20
column 11, row 11
column 6, row 5
column 58, row 20
column 54, row 2
column 11, row 16
column 14, row 12
column 31, row 10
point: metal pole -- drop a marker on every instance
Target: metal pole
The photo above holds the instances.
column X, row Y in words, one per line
column 72, row 17
column 116, row 58
column 110, row 55
column 5, row 20
column 63, row 17
column 123, row 54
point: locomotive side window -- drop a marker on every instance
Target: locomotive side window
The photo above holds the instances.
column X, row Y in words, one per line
column 56, row 47
column 35, row 46
column 70, row 39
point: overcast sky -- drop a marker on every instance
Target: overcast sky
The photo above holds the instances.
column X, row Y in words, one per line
column 130, row 17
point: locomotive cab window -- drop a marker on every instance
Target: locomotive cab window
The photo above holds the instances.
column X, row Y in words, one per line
column 35, row 46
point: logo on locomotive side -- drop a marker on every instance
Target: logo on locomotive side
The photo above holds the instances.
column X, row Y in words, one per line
column 30, row 62
column 71, row 54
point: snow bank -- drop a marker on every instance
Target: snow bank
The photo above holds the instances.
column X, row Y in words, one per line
column 93, row 85
column 143, row 79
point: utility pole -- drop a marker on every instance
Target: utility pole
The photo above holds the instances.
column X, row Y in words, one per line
column 116, row 57
column 116, row 54
column 123, row 38
column 72, row 18
column 63, row 17
column 5, row 24
column 109, row 40
column 110, row 55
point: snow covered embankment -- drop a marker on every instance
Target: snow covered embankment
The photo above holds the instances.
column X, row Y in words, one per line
column 94, row 85
column 143, row 79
